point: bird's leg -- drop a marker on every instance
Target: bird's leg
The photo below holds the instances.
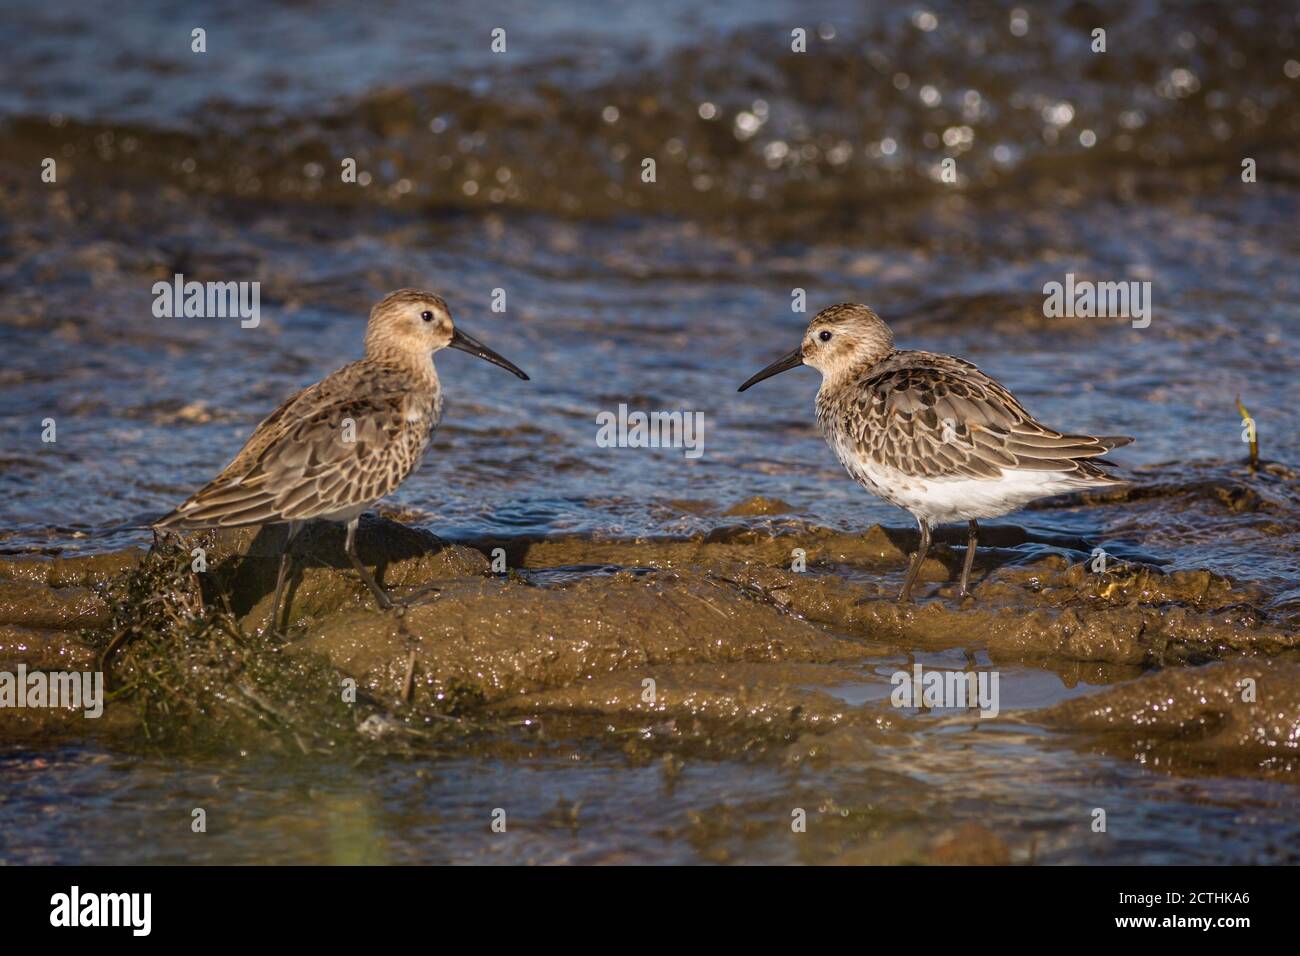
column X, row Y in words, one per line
column 286, row 563
column 350, row 546
column 921, row 550
column 970, row 559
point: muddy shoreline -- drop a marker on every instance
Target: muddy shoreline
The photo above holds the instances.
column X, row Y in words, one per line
column 684, row 694
column 733, row 639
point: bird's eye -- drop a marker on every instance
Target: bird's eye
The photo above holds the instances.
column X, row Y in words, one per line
column 426, row 315
column 825, row 336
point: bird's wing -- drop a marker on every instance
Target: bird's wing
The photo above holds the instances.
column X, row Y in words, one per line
column 936, row 416
column 322, row 452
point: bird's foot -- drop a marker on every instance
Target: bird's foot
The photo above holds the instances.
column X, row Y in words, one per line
column 421, row 596
column 271, row 632
column 387, row 602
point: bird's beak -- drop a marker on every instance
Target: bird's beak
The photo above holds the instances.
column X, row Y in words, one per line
column 466, row 343
column 784, row 363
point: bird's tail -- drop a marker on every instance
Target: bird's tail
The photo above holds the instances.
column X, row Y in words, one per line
column 1092, row 469
column 178, row 521
column 1115, row 441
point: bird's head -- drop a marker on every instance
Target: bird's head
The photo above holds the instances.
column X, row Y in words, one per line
column 838, row 340
column 413, row 322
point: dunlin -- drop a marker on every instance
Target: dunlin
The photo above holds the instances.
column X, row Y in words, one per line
column 931, row 433
column 335, row 448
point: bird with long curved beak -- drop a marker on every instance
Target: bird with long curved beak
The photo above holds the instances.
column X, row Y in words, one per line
column 931, row 433
column 335, row 448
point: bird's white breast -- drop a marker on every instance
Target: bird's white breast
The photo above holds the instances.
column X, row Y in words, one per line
column 944, row 500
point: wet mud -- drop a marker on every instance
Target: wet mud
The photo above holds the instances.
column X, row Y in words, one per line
column 732, row 638
column 664, row 655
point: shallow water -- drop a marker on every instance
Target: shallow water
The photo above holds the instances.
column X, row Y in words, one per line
column 776, row 171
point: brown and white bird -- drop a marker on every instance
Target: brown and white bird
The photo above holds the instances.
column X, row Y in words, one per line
column 931, row 433
column 337, row 447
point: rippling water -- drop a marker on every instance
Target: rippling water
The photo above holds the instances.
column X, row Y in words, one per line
column 776, row 171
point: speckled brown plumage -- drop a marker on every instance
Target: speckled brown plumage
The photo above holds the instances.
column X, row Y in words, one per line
column 337, row 447
column 934, row 416
column 932, row 433
column 298, row 464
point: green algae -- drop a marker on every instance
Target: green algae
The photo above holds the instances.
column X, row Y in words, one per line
column 198, row 677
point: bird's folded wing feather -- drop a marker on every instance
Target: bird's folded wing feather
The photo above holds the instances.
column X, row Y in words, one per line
column 318, row 454
column 943, row 418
